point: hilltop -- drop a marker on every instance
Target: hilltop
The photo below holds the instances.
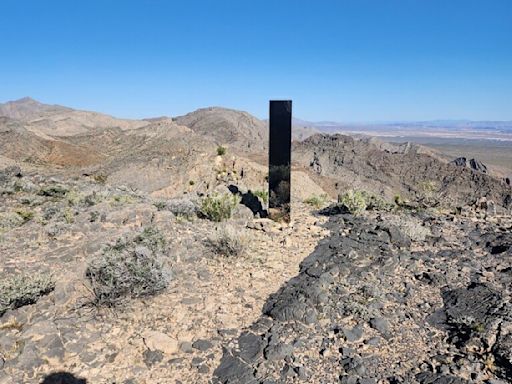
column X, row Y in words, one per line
column 117, row 264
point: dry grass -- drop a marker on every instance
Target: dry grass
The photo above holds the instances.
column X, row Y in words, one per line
column 228, row 241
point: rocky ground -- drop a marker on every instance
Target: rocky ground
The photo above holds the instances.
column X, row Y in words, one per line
column 413, row 298
column 407, row 296
column 176, row 336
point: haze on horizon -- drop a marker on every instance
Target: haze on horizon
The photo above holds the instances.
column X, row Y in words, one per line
column 347, row 61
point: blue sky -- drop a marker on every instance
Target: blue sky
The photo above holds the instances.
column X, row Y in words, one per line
column 357, row 60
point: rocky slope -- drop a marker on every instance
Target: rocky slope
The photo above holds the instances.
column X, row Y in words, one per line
column 408, row 171
column 226, row 126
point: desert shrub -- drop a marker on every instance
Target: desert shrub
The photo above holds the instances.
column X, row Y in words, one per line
column 100, row 178
column 316, row 201
column 354, row 201
column 53, row 191
column 357, row 202
column 228, row 241
column 374, row 202
column 25, row 215
column 219, row 207
column 130, row 268
column 183, row 208
column 221, row 151
column 160, row 205
column 10, row 220
column 263, row 195
column 69, row 216
column 123, row 199
column 21, row 290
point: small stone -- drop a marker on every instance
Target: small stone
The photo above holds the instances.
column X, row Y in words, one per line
column 186, row 347
column 162, row 342
column 152, row 357
column 353, row 334
column 197, row 361
column 203, row 369
column 380, row 324
column 373, row 341
column 202, row 345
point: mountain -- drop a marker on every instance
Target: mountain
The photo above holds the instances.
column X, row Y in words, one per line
column 227, row 126
column 55, row 120
column 28, row 109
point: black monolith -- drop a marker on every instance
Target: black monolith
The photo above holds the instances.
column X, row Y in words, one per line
column 280, row 148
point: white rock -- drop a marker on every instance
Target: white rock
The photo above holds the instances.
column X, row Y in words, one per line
column 160, row 341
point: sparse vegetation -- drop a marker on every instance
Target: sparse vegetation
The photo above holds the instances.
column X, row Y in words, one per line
column 69, row 216
column 263, row 195
column 182, row 208
column 25, row 215
column 354, row 202
column 317, row 201
column 21, row 290
column 219, row 207
column 427, row 191
column 10, row 220
column 228, row 241
column 221, row 151
column 160, row 205
column 53, row 191
column 130, row 268
column 123, row 199
column 100, row 178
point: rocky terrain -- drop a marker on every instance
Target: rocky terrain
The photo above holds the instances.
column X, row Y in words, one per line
column 118, row 266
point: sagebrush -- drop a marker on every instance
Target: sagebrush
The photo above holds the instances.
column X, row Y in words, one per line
column 17, row 291
column 131, row 268
column 228, row 241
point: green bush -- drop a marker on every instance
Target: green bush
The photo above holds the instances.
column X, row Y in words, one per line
column 130, row 268
column 219, row 207
column 228, row 241
column 221, row 151
column 263, row 195
column 18, row 291
column 356, row 202
column 353, row 201
column 26, row 216
column 316, row 201
column 53, row 191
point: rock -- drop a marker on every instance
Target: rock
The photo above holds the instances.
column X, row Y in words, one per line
column 353, row 334
column 278, row 351
column 152, row 357
column 155, row 340
column 251, row 346
column 186, row 347
column 381, row 325
column 202, row 345
column 232, row 370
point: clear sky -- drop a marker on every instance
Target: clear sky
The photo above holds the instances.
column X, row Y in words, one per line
column 343, row 60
